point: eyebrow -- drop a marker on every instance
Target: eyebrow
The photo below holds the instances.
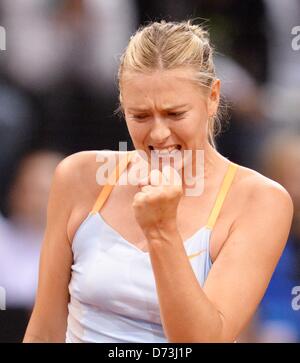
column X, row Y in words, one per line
column 169, row 108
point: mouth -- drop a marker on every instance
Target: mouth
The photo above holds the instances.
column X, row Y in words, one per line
column 166, row 150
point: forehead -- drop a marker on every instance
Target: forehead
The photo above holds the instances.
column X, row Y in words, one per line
column 164, row 87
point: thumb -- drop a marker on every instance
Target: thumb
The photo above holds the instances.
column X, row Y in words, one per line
column 143, row 181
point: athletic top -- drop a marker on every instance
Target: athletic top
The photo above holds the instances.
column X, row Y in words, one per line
column 113, row 296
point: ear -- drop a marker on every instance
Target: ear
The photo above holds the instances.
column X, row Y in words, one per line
column 214, row 98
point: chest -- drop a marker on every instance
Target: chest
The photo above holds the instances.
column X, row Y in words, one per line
column 111, row 274
column 192, row 215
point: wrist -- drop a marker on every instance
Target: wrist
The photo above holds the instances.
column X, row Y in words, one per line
column 163, row 231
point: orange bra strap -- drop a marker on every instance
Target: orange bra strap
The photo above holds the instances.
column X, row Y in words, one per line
column 112, row 179
column 232, row 168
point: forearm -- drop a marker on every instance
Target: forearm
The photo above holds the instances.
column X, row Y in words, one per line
column 28, row 338
column 40, row 330
column 42, row 338
column 187, row 314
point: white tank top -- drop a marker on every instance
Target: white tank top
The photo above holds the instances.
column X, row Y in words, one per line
column 113, row 297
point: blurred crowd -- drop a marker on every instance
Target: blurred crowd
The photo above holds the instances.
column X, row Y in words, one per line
column 58, row 93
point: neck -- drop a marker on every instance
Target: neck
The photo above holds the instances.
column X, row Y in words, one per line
column 201, row 168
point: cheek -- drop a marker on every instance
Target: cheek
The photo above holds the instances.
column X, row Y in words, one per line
column 191, row 128
column 137, row 131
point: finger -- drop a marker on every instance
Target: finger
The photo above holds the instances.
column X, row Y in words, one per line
column 147, row 189
column 143, row 181
column 171, row 175
column 156, row 177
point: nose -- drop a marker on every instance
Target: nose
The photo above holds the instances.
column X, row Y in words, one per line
column 160, row 131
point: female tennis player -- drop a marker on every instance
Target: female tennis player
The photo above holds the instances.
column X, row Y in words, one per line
column 147, row 262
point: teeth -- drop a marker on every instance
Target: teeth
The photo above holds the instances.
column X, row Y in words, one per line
column 166, row 150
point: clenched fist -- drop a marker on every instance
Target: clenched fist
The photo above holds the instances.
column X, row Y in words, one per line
column 155, row 206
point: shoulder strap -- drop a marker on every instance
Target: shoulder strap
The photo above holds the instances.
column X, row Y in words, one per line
column 112, row 179
column 222, row 194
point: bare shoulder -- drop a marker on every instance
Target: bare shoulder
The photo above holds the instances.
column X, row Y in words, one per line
column 261, row 189
column 81, row 162
column 77, row 184
column 78, row 170
column 263, row 196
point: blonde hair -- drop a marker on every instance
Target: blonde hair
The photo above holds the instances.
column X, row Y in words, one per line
column 169, row 45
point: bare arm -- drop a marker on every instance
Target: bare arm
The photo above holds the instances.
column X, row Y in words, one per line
column 74, row 185
column 238, row 278
column 49, row 316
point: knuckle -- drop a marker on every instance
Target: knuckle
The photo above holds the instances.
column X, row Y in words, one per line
column 137, row 199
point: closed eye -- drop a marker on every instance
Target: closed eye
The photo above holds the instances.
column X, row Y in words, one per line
column 143, row 117
column 139, row 117
column 176, row 114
